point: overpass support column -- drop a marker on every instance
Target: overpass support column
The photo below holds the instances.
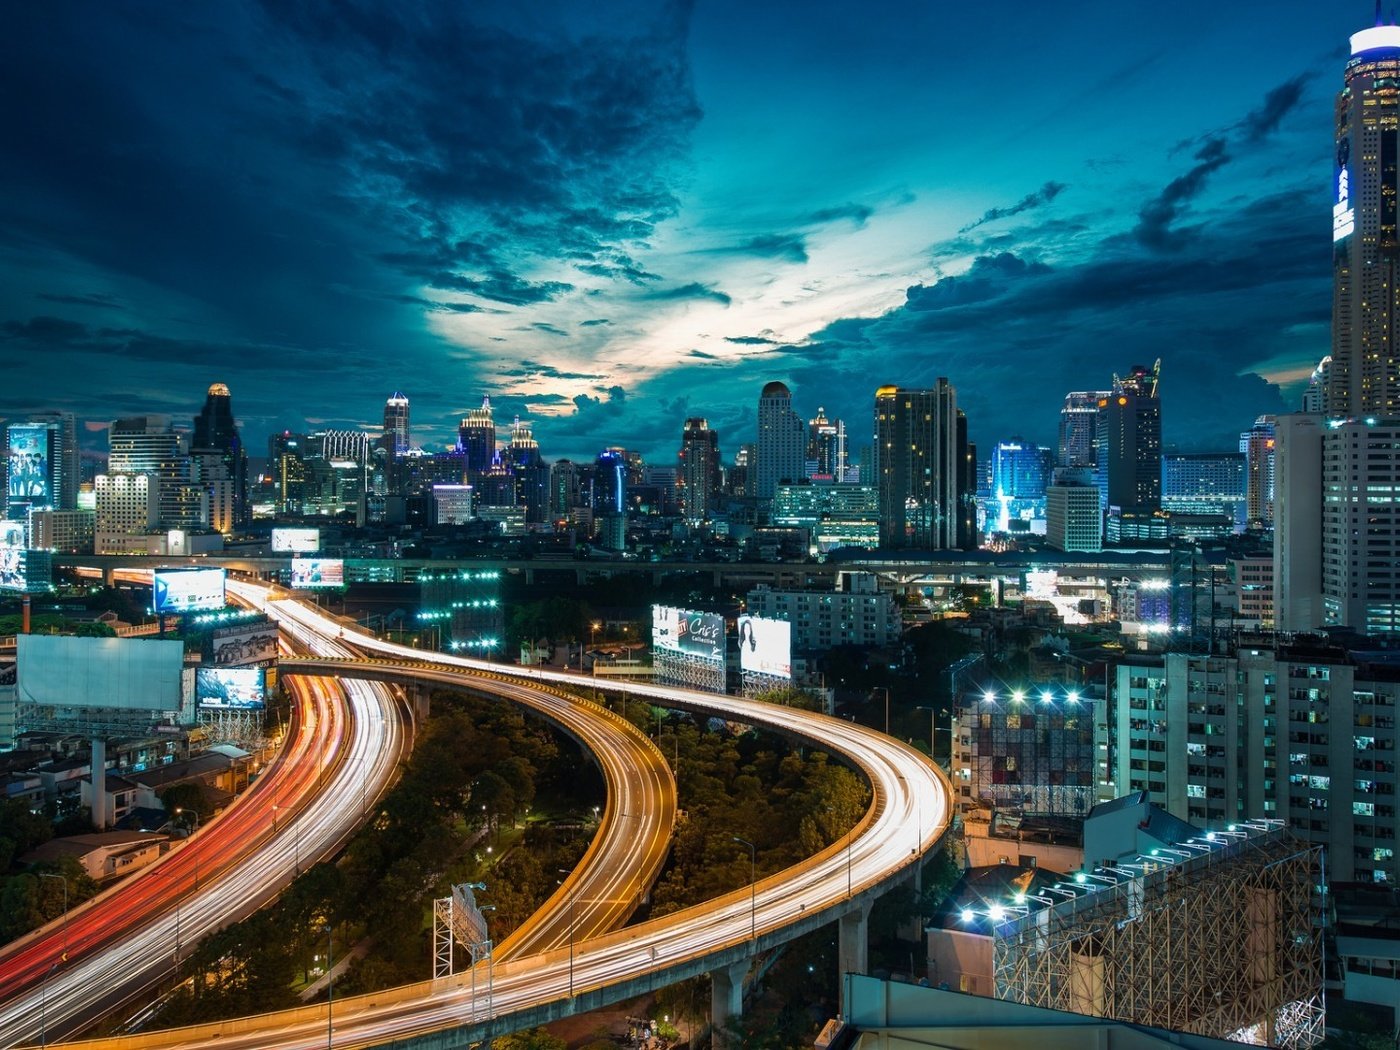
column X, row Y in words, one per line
column 99, row 783
column 109, row 578
column 853, row 945
column 418, row 697
column 726, row 998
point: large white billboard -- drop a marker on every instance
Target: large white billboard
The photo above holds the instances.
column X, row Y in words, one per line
column 697, row 634
column 765, row 646
column 317, row 572
column 57, row 670
column 296, row 541
column 187, row 590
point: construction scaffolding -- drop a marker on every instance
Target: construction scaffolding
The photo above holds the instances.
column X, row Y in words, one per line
column 688, row 670
column 1221, row 939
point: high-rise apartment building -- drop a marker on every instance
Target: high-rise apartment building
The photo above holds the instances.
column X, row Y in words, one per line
column 220, row 461
column 1129, row 454
column 781, row 452
column 1072, row 518
column 149, row 445
column 826, row 448
column 1079, row 422
column 395, row 438
column 128, row 510
column 922, row 469
column 1257, row 444
column 697, row 469
column 1361, row 525
column 1213, row 483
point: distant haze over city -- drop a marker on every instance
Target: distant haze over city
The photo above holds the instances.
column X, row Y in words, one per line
column 610, row 219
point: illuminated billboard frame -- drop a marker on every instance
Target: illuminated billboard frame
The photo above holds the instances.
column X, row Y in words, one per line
column 765, row 646
column 296, row 541
column 14, row 569
column 187, row 590
column 31, row 448
column 243, row 644
column 697, row 634
column 309, row 573
column 12, row 535
column 230, row 688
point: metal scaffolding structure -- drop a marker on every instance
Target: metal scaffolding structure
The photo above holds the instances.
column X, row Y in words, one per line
column 247, row 729
column 688, row 670
column 1220, row 938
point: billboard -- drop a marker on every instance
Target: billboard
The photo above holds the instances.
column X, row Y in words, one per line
column 318, row 572
column 11, row 535
column 187, row 590
column 14, row 569
column 230, row 688
column 697, row 634
column 765, row 646
column 247, row 643
column 296, row 541
column 126, row 673
column 29, row 465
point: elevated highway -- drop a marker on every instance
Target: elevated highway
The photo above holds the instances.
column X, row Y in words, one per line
column 911, row 809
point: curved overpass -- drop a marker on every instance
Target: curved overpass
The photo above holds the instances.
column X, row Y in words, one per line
column 911, row 809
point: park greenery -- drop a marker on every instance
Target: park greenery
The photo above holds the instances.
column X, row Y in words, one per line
column 28, row 896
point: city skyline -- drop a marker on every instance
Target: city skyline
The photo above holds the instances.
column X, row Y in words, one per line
column 609, row 230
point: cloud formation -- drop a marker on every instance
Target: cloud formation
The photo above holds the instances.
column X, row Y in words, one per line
column 1039, row 198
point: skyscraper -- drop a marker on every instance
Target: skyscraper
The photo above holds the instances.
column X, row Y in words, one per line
column 42, row 459
column 1079, row 420
column 697, row 469
column 1363, row 380
column 921, row 468
column 149, row 445
column 782, row 442
column 1129, row 454
column 396, row 436
column 1257, row 444
column 220, row 460
column 826, row 448
column 477, row 438
column 610, row 482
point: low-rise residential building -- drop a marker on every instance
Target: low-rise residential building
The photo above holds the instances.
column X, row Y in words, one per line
column 856, row 613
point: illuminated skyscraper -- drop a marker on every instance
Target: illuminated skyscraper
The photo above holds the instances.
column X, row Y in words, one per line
column 782, row 442
column 1363, row 379
column 1257, row 444
column 826, row 448
column 477, row 438
column 148, row 445
column 1129, row 455
column 1079, row 420
column 921, row 463
column 697, row 470
column 220, row 461
column 396, row 435
column 42, row 463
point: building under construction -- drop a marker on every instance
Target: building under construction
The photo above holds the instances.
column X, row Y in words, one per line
column 1214, row 935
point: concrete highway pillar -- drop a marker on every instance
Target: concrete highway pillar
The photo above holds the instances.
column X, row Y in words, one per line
column 99, row 783
column 419, row 696
column 726, row 998
column 853, row 947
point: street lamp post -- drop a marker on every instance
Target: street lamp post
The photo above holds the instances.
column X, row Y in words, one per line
column 753, row 886
column 63, row 879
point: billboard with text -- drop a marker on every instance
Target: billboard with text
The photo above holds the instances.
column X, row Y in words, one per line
column 230, row 688
column 765, row 646
column 698, row 634
column 317, row 572
column 296, row 541
column 187, row 590
column 247, row 643
column 30, row 453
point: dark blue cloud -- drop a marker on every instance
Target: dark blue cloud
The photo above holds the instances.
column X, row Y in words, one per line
column 695, row 290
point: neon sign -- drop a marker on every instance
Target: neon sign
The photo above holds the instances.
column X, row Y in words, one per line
column 1343, row 214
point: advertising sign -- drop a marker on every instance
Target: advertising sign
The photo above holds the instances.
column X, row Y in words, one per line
column 12, row 535
column 318, row 572
column 14, row 574
column 65, row 671
column 230, row 688
column 187, row 590
column 296, row 541
column 248, row 643
column 765, row 646
column 698, row 634
column 29, row 465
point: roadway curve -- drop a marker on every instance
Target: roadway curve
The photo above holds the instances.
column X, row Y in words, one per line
column 132, row 936
column 911, row 809
column 303, row 809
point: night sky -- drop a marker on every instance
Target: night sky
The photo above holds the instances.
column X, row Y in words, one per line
column 612, row 216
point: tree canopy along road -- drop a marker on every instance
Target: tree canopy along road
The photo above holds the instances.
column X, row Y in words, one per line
column 911, row 808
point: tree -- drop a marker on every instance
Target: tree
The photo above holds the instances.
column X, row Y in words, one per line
column 533, row 1039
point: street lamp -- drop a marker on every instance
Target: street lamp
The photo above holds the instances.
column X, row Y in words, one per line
column 64, row 880
column 753, row 886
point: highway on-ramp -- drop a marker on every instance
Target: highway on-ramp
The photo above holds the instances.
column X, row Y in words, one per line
column 910, row 810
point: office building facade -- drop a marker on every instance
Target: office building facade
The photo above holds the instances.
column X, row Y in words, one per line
column 921, row 466
column 1128, row 461
column 697, row 470
column 781, row 451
